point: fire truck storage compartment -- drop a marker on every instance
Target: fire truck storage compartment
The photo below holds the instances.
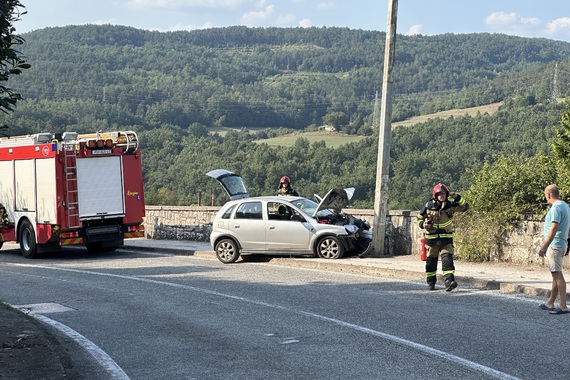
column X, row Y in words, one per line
column 25, row 185
column 46, row 191
column 100, row 187
column 21, row 180
column 7, row 187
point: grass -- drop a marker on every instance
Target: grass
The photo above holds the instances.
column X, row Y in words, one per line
column 335, row 139
column 489, row 108
column 331, row 139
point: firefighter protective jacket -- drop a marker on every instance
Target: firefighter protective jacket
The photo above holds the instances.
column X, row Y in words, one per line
column 287, row 191
column 441, row 216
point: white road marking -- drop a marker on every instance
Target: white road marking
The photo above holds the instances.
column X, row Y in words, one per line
column 420, row 347
column 43, row 308
column 289, row 341
column 102, row 358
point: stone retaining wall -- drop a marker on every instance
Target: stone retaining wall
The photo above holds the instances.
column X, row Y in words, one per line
column 402, row 233
column 179, row 222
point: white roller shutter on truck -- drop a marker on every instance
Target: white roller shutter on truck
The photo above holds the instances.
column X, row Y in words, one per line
column 7, row 189
column 46, row 191
column 25, row 178
column 100, row 187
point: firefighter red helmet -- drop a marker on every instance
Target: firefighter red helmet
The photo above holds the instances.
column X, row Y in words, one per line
column 439, row 188
column 285, row 179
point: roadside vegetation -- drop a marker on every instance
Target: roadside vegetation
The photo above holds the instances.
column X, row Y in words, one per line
column 12, row 62
column 511, row 189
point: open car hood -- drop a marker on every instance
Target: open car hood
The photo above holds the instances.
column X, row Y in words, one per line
column 232, row 183
column 335, row 200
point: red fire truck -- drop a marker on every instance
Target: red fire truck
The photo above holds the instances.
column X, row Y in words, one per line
column 71, row 189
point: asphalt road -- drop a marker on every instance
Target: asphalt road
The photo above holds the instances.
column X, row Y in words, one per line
column 179, row 317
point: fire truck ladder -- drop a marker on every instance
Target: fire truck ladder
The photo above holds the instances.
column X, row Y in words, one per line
column 71, row 188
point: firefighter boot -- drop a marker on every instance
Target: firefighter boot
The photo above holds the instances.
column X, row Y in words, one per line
column 431, row 271
column 448, row 271
column 450, row 282
column 450, row 285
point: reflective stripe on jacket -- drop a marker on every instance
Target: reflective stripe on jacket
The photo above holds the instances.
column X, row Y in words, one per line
column 441, row 216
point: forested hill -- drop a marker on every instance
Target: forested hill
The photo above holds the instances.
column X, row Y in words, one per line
column 241, row 77
column 173, row 88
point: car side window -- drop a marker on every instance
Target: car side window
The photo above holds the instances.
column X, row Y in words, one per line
column 249, row 210
column 278, row 211
column 228, row 212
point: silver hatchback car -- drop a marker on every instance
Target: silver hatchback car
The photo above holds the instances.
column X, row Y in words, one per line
column 285, row 225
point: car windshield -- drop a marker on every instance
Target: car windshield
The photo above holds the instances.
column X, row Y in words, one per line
column 309, row 207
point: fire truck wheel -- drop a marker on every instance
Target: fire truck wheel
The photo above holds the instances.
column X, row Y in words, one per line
column 28, row 245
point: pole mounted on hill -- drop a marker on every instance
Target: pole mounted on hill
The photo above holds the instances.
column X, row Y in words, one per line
column 385, row 129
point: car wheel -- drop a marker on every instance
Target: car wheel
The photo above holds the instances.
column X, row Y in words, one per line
column 28, row 245
column 227, row 251
column 330, row 247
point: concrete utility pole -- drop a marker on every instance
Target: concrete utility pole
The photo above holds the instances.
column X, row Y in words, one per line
column 385, row 129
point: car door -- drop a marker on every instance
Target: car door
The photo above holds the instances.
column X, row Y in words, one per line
column 248, row 226
column 283, row 234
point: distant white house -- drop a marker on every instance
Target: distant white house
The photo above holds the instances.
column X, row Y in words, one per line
column 328, row 128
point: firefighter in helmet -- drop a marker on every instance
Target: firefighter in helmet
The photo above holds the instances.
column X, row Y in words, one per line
column 4, row 215
column 285, row 187
column 436, row 218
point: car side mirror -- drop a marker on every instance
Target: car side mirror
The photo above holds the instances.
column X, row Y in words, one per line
column 297, row 218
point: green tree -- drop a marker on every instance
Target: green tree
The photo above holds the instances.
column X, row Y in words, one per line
column 513, row 186
column 12, row 61
column 337, row 119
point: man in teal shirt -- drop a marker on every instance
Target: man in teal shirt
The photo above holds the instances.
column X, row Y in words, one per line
column 556, row 227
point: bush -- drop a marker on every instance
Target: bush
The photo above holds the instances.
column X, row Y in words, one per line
column 480, row 236
column 510, row 189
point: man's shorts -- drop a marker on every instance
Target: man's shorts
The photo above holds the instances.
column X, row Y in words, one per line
column 555, row 256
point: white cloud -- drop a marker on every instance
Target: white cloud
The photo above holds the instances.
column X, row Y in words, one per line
column 255, row 18
column 514, row 24
column 511, row 20
column 326, row 5
column 305, row 23
column 189, row 27
column 286, row 20
column 560, row 25
column 414, row 30
column 185, row 3
column 501, row 18
column 111, row 21
column 530, row 21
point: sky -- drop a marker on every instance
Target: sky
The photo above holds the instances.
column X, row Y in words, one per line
column 526, row 18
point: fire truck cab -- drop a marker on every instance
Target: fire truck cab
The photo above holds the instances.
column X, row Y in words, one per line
column 71, row 189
